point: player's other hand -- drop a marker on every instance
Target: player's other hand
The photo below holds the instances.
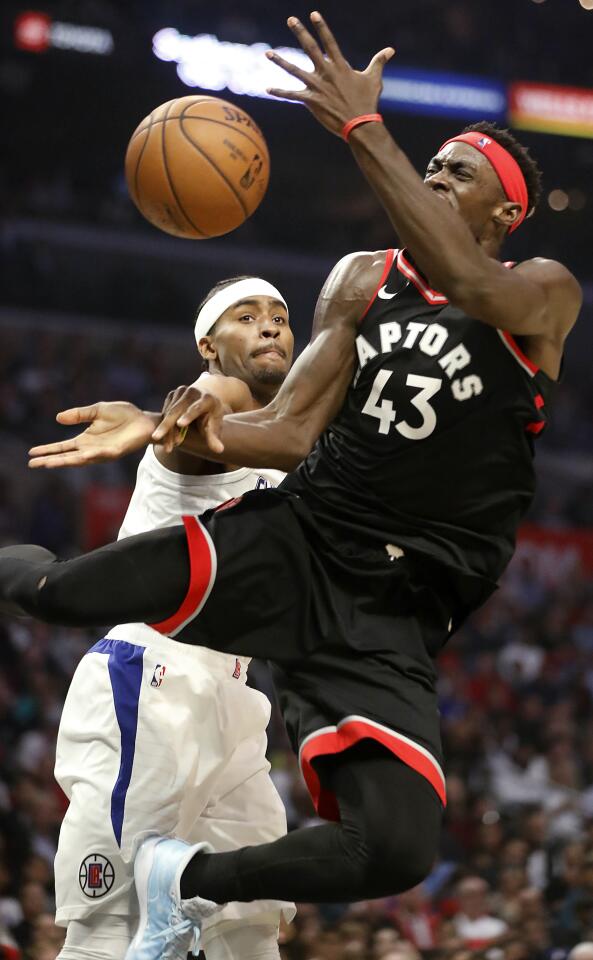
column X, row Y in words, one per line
column 190, row 405
column 334, row 92
column 115, row 429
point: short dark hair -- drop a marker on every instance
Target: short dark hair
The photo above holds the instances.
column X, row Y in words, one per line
column 218, row 286
column 529, row 167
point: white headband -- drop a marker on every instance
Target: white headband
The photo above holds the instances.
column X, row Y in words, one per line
column 214, row 308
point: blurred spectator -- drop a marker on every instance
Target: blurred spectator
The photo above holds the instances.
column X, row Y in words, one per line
column 473, row 921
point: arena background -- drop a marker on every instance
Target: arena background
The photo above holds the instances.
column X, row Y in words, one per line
column 96, row 304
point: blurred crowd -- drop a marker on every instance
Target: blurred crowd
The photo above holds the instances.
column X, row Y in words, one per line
column 514, row 879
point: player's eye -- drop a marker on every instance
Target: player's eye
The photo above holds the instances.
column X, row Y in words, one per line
column 279, row 318
column 246, row 318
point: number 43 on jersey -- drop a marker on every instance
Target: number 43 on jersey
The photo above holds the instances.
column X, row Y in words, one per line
column 425, row 387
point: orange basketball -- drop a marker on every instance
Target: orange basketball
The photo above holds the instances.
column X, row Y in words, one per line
column 197, row 167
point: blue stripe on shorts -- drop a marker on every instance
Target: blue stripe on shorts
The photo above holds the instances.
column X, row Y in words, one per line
column 125, row 672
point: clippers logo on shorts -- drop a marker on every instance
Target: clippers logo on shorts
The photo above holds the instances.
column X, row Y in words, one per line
column 262, row 484
column 96, row 876
column 158, row 675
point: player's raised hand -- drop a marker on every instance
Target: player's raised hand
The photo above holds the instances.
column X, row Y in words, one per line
column 115, row 429
column 190, row 405
column 334, row 92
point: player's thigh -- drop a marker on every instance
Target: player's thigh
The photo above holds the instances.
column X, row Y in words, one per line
column 244, row 810
column 90, row 873
column 244, row 807
column 258, row 601
column 126, row 749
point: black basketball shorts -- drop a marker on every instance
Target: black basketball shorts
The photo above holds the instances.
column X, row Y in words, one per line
column 347, row 636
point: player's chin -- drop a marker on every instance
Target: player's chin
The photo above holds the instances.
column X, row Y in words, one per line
column 273, row 371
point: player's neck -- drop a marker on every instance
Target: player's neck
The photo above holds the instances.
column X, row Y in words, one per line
column 491, row 246
column 263, row 393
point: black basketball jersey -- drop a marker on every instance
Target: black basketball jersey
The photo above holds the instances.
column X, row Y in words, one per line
column 432, row 451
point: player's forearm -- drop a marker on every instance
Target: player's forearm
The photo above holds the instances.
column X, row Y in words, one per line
column 265, row 440
column 441, row 243
column 256, row 439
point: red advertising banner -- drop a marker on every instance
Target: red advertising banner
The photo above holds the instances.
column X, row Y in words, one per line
column 103, row 509
column 555, row 554
column 551, row 109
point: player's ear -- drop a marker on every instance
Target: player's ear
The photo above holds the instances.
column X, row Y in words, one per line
column 207, row 349
column 506, row 213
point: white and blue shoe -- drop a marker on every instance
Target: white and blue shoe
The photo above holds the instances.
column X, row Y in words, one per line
column 169, row 926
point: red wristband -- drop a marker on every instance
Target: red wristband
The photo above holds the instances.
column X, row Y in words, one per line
column 356, row 121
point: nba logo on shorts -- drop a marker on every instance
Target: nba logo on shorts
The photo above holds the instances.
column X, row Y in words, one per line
column 237, row 670
column 262, row 484
column 96, row 876
column 158, row 675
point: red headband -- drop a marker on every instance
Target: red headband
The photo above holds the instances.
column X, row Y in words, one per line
column 506, row 168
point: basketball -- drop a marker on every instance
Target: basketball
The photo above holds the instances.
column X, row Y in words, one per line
column 197, row 167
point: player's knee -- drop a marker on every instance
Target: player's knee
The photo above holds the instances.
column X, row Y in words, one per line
column 52, row 594
column 398, row 863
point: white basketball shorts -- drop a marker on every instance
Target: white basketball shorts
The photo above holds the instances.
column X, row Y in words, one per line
column 157, row 736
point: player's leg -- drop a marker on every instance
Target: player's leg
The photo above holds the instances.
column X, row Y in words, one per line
column 244, row 809
column 244, row 561
column 385, row 842
column 95, row 895
column 101, row 936
column 127, row 747
column 137, row 579
column 236, row 940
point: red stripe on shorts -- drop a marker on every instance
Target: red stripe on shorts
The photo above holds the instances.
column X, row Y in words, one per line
column 332, row 740
column 202, row 562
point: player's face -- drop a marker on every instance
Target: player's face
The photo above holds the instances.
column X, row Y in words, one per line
column 253, row 341
column 462, row 177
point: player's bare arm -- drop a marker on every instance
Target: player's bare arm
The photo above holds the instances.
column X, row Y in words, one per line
column 118, row 428
column 281, row 434
column 234, row 397
column 539, row 299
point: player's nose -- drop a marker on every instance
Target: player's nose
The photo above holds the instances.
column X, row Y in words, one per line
column 269, row 329
column 439, row 181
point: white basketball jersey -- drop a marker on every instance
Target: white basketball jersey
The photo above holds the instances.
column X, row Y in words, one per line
column 161, row 497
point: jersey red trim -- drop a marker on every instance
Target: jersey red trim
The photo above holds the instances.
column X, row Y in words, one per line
column 228, row 504
column 389, row 258
column 332, row 740
column 431, row 296
column 513, row 347
column 536, row 426
column 202, row 574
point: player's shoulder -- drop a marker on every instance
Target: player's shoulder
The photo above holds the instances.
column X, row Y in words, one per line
column 562, row 287
column 229, row 390
column 550, row 273
column 357, row 274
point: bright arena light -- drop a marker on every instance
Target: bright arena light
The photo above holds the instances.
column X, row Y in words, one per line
column 558, row 200
column 586, row 4
column 213, row 64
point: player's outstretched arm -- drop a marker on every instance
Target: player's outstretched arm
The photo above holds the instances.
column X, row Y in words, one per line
column 115, row 429
column 540, row 298
column 281, row 434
